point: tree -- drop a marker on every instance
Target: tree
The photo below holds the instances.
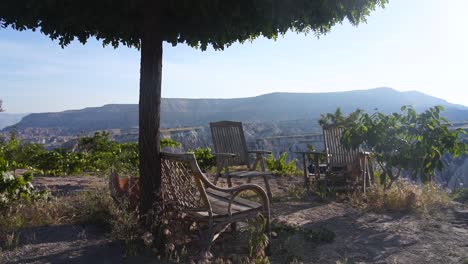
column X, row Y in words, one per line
column 145, row 24
column 406, row 142
column 339, row 119
column 1, row 103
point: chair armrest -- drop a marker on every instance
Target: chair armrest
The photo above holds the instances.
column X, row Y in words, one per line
column 225, row 155
column 260, row 151
column 235, row 191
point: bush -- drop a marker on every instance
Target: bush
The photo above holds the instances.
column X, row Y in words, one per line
column 59, row 162
column 205, row 158
column 279, row 166
column 13, row 188
column 169, row 143
column 406, row 143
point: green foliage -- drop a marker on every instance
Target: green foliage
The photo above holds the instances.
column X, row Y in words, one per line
column 258, row 240
column 169, row 143
column 339, row 119
column 15, row 154
column 280, row 166
column 127, row 159
column 96, row 154
column 60, row 162
column 10, row 151
column 205, row 158
column 406, row 142
column 3, row 164
column 100, row 142
column 217, row 23
column 13, row 188
column 104, row 154
column 311, row 158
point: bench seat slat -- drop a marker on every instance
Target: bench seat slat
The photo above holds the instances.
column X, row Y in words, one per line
column 219, row 203
column 247, row 174
column 237, row 200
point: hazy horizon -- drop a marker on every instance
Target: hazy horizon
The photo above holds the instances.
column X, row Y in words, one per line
column 117, row 103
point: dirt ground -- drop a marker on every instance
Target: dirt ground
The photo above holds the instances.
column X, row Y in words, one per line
column 359, row 237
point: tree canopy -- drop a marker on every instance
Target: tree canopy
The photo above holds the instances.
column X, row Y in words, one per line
column 196, row 23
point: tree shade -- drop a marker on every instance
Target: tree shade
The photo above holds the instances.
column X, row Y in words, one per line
column 145, row 24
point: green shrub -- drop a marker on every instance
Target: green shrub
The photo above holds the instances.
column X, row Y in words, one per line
column 13, row 188
column 169, row 143
column 205, row 158
column 97, row 154
column 406, row 142
column 280, row 166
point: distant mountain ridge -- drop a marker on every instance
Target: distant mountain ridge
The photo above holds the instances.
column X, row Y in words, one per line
column 177, row 112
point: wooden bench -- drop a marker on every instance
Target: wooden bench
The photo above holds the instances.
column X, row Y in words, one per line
column 186, row 189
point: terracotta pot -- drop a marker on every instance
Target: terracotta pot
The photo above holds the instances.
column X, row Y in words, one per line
column 123, row 183
column 125, row 187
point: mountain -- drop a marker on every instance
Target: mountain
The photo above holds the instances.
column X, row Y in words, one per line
column 272, row 107
column 9, row 119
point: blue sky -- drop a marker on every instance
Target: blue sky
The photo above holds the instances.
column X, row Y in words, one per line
column 410, row 45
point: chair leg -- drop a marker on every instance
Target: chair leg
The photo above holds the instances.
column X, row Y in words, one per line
column 234, row 227
column 206, row 238
column 267, row 186
column 229, row 181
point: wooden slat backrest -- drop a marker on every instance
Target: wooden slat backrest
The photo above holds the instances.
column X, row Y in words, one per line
column 338, row 154
column 228, row 137
column 182, row 186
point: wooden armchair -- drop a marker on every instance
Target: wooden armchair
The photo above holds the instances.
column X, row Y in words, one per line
column 346, row 167
column 231, row 150
column 186, row 189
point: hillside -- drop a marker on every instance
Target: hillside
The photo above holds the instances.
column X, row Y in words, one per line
column 269, row 107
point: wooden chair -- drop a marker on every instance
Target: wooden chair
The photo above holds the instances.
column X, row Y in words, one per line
column 186, row 189
column 230, row 149
column 346, row 167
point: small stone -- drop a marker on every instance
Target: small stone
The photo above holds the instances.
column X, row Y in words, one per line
column 274, row 235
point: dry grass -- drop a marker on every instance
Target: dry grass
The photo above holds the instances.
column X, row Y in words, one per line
column 87, row 207
column 461, row 196
column 403, row 196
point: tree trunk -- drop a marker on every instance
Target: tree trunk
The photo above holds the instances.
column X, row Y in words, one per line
column 149, row 114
